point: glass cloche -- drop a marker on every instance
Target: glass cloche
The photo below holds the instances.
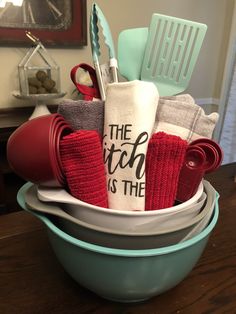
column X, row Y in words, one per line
column 38, row 73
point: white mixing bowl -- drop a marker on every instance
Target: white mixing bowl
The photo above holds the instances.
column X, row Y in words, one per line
column 119, row 220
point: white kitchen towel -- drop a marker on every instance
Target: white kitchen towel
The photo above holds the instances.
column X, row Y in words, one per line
column 129, row 116
column 184, row 118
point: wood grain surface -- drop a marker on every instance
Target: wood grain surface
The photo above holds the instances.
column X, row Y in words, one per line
column 33, row 281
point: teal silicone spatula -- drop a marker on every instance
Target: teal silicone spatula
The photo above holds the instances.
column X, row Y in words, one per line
column 131, row 48
column 171, row 52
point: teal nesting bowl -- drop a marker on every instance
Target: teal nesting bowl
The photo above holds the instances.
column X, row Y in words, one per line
column 125, row 275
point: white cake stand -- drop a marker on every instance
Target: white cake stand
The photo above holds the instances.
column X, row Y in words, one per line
column 39, row 102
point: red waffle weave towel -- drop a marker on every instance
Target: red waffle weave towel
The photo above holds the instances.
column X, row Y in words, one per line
column 165, row 157
column 82, row 161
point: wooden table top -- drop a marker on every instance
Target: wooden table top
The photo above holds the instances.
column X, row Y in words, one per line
column 33, row 281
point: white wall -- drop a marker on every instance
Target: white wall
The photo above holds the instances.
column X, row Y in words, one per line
column 122, row 14
column 227, row 79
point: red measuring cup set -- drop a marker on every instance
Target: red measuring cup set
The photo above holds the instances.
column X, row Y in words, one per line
column 202, row 156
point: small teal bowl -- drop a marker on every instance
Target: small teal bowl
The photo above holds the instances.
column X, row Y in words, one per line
column 125, row 275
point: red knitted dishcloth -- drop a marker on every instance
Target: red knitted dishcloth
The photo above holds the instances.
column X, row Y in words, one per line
column 164, row 159
column 82, row 162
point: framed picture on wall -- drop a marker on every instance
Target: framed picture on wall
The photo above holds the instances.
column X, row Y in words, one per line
column 59, row 23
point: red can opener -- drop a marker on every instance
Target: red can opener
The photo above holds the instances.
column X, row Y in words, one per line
column 202, row 156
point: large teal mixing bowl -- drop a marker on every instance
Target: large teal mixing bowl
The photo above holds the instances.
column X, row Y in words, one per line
column 125, row 275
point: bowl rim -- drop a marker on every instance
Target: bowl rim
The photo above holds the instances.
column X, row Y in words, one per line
column 130, row 213
column 211, row 196
column 119, row 252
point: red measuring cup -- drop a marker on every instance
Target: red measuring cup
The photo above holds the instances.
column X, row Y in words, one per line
column 191, row 173
column 195, row 167
column 213, row 151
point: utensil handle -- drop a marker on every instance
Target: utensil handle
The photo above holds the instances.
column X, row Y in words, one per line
column 114, row 67
column 99, row 80
column 88, row 92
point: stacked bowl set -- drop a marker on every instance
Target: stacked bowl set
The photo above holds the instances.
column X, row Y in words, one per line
column 126, row 221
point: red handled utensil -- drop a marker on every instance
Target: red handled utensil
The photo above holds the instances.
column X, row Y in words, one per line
column 88, row 92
